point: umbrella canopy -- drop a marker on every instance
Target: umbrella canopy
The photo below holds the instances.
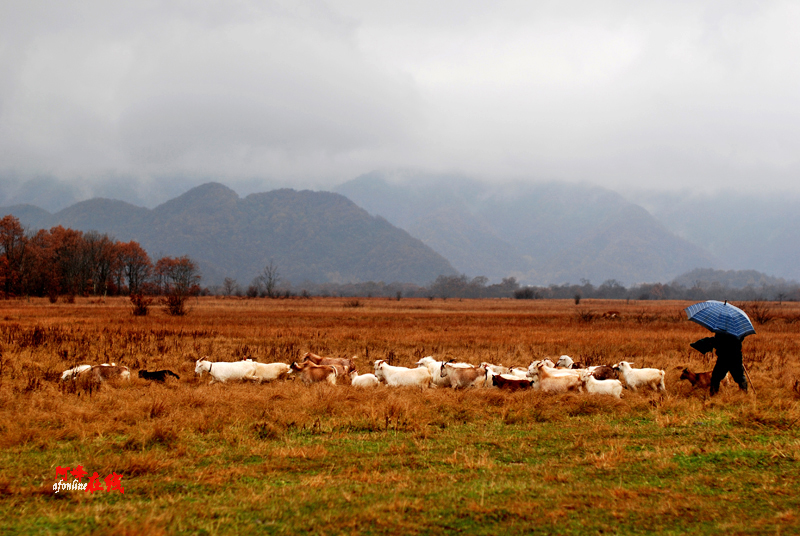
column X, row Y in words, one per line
column 721, row 318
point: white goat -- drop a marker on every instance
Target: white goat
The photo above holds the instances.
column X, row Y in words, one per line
column 435, row 369
column 600, row 387
column 267, row 372
column 74, row 372
column 552, row 380
column 548, row 365
column 565, row 361
column 363, row 380
column 496, row 369
column 401, row 376
column 222, row 371
column 519, row 372
column 635, row 378
column 487, row 382
column 534, row 364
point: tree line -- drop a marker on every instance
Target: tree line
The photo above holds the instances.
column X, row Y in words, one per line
column 65, row 262
column 699, row 291
column 462, row 286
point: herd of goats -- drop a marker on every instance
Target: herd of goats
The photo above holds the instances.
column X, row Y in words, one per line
column 544, row 375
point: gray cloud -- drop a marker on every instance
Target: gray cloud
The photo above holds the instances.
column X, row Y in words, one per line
column 623, row 94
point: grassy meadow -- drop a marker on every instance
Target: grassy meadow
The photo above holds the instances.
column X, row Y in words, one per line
column 285, row 458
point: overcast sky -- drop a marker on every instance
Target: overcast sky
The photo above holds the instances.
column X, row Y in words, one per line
column 674, row 94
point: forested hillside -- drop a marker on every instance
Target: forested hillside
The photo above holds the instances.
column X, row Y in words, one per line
column 309, row 236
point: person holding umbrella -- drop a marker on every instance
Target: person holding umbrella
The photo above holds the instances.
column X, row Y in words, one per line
column 730, row 326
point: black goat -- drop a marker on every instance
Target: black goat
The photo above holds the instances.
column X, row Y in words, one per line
column 158, row 375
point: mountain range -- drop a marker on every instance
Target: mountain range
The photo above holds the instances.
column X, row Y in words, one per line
column 309, row 236
column 743, row 231
column 540, row 233
column 413, row 227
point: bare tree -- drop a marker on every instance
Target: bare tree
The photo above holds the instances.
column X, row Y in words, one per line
column 181, row 280
column 230, row 286
column 269, row 278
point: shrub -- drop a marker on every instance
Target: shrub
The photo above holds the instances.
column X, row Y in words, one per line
column 526, row 293
column 140, row 304
column 175, row 304
column 759, row 312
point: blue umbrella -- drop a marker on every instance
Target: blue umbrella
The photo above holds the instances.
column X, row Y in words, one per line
column 721, row 318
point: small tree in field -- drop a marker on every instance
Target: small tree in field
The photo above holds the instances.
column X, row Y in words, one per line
column 140, row 304
column 269, row 279
column 180, row 280
column 230, row 286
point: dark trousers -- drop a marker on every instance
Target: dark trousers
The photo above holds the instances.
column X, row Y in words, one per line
column 725, row 364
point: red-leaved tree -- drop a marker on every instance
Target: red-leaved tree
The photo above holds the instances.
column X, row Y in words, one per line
column 13, row 245
column 136, row 266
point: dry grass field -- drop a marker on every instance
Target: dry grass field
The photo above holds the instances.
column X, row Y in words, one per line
column 286, row 458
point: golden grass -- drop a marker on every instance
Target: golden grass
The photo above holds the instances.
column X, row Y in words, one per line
column 212, row 437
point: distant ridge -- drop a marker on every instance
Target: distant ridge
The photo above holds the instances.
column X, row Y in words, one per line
column 737, row 279
column 744, row 231
column 310, row 236
column 546, row 233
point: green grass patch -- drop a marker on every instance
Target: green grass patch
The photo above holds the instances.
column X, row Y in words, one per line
column 592, row 473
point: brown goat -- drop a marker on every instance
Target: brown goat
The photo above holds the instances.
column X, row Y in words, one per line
column 110, row 372
column 604, row 372
column 461, row 377
column 311, row 373
column 343, row 364
column 697, row 379
column 510, row 384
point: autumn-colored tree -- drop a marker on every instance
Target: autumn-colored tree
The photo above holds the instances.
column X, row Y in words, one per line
column 65, row 261
column 136, row 266
column 101, row 255
column 13, row 245
column 69, row 259
column 61, row 261
column 40, row 276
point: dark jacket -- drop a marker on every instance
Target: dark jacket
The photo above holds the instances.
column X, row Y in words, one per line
column 727, row 346
column 729, row 358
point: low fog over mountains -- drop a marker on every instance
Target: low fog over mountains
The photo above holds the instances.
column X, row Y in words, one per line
column 539, row 233
column 412, row 227
column 741, row 231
